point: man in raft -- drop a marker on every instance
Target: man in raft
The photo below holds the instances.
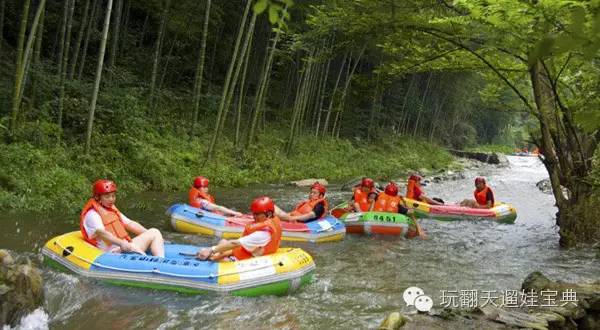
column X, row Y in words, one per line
column 105, row 227
column 390, row 201
column 259, row 238
column 484, row 196
column 414, row 191
column 199, row 197
column 314, row 208
column 360, row 201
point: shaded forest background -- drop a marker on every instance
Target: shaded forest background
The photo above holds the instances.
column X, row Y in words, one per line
column 152, row 93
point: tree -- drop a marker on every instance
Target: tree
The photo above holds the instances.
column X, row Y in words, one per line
column 197, row 90
column 158, row 48
column 88, row 136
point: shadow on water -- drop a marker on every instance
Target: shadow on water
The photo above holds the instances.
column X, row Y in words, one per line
column 357, row 280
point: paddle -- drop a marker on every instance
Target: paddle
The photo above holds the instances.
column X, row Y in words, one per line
column 339, row 212
column 420, row 231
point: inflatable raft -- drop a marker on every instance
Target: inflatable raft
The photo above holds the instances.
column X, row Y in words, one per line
column 501, row 212
column 376, row 223
column 275, row 274
column 187, row 219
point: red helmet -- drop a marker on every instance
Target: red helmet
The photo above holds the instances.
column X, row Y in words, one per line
column 321, row 188
column 102, row 186
column 367, row 182
column 415, row 177
column 479, row 179
column 200, row 182
column 391, row 189
column 262, row 204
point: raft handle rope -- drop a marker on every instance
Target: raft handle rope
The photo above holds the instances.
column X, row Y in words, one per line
column 156, row 271
column 201, row 214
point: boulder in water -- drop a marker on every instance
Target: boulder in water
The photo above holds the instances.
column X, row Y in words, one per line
column 308, row 182
column 21, row 290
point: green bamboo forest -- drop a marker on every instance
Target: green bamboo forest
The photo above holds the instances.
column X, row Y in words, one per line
column 152, row 92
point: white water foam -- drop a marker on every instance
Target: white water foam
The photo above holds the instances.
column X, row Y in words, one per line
column 37, row 320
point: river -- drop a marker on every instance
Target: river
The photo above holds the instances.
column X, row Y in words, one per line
column 357, row 281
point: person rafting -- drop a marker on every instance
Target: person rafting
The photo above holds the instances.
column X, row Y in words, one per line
column 360, row 201
column 259, row 238
column 314, row 208
column 414, row 191
column 484, row 196
column 200, row 197
column 105, row 227
column 390, row 201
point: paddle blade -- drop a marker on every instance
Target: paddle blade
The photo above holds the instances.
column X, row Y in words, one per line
column 339, row 212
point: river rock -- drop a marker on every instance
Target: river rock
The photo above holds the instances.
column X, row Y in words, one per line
column 21, row 290
column 544, row 186
column 393, row 322
column 308, row 182
column 585, row 312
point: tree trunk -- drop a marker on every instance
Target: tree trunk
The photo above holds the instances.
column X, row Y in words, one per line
column 166, row 64
column 374, row 107
column 333, row 91
column 299, row 96
column 125, row 25
column 241, row 96
column 77, row 47
column 65, row 61
column 114, row 49
column 262, row 90
column 19, row 66
column 144, row 28
column 90, row 27
column 422, row 106
column 237, row 71
column 63, row 32
column 37, row 67
column 576, row 220
column 322, row 93
column 337, row 122
column 228, row 81
column 22, row 68
column 1, row 24
column 197, row 91
column 157, row 50
column 88, row 136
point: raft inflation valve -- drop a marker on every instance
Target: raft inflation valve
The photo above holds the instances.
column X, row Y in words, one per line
column 67, row 251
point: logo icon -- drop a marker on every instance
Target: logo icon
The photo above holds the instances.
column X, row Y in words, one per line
column 415, row 296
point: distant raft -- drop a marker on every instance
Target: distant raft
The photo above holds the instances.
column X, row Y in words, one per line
column 276, row 274
column 501, row 212
column 188, row 219
column 376, row 223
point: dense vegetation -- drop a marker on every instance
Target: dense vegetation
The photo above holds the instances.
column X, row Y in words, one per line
column 153, row 92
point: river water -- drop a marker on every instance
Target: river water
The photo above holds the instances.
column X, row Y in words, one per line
column 357, row 281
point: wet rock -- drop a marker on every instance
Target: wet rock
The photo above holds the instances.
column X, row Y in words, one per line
column 21, row 290
column 544, row 186
column 308, row 182
column 490, row 158
column 584, row 314
column 393, row 322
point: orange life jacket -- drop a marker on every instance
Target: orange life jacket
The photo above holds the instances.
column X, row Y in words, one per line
column 411, row 190
column 362, row 198
column 195, row 194
column 481, row 196
column 387, row 203
column 111, row 219
column 307, row 206
column 272, row 225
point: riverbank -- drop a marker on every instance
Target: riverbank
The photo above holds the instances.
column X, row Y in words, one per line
column 43, row 176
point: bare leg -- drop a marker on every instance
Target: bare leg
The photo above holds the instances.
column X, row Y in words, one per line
column 151, row 239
